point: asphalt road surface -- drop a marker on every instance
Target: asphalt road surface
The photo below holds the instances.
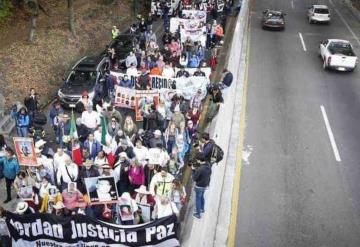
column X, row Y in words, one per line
column 300, row 187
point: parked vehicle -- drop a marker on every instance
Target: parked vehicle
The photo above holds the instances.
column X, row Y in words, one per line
column 86, row 74
column 318, row 13
column 338, row 54
column 273, row 19
column 123, row 44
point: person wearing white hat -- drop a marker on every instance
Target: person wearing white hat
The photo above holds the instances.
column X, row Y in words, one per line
column 23, row 208
column 59, row 208
column 125, row 147
column 144, row 196
column 157, row 139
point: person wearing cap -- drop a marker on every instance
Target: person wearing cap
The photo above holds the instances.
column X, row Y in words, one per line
column 23, row 208
column 83, row 102
column 161, row 183
column 105, row 170
column 67, row 173
column 87, row 170
column 121, row 173
column 92, row 145
column 45, row 149
column 10, row 168
column 201, row 176
column 124, row 147
column 143, row 196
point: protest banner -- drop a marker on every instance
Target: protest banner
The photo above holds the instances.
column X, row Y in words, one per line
column 25, row 151
column 158, row 82
column 143, row 101
column 101, row 190
column 206, row 70
column 119, row 75
column 194, row 14
column 80, row 230
column 125, row 97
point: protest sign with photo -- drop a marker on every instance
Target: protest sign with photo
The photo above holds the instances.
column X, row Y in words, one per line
column 81, row 230
column 119, row 76
column 26, row 193
column 126, row 212
column 25, row 151
column 143, row 102
column 194, row 14
column 145, row 212
column 101, row 190
column 206, row 70
column 125, row 97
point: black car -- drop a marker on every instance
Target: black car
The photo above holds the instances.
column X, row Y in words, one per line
column 86, row 74
column 273, row 19
column 123, row 44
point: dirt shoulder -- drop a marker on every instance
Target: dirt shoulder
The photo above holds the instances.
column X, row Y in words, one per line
column 42, row 64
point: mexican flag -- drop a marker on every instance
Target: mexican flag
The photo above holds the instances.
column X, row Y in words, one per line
column 103, row 130
column 73, row 131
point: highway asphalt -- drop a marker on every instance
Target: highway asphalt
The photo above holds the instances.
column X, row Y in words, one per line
column 298, row 187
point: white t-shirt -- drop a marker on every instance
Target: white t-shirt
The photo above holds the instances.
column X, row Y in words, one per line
column 90, row 119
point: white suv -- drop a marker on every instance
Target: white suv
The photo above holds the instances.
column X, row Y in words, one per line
column 318, row 13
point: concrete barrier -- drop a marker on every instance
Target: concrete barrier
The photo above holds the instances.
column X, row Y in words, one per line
column 211, row 229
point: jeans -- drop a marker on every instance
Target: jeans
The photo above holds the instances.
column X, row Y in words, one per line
column 9, row 183
column 199, row 199
column 22, row 131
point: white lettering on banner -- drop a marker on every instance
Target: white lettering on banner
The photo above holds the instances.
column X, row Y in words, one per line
column 38, row 228
column 149, row 232
column 158, row 82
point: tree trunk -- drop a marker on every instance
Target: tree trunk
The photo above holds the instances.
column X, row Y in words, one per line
column 32, row 28
column 71, row 17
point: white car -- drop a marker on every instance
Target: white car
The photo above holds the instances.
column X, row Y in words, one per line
column 318, row 13
column 338, row 54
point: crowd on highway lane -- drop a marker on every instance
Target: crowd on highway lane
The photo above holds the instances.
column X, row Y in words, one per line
column 121, row 151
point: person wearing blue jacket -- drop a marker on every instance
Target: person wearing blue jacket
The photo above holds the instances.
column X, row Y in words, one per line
column 193, row 61
column 10, row 168
column 22, row 122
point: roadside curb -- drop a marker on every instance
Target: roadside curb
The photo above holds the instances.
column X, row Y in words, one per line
column 204, row 231
column 353, row 10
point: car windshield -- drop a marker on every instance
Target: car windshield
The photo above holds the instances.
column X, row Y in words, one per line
column 321, row 11
column 274, row 17
column 82, row 77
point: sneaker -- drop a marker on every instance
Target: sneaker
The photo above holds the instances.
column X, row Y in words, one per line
column 197, row 215
column 7, row 200
column 202, row 211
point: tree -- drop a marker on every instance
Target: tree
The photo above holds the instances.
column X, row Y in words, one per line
column 71, row 17
column 34, row 7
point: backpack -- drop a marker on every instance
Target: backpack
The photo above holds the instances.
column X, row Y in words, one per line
column 217, row 154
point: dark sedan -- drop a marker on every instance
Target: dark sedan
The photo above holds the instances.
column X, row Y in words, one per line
column 273, row 19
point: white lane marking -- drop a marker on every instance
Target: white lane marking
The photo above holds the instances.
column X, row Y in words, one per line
column 302, row 41
column 345, row 22
column 292, row 4
column 331, row 135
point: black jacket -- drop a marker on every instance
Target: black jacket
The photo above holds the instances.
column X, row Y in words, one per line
column 202, row 175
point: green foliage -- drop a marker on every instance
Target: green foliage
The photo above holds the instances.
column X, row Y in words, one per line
column 6, row 8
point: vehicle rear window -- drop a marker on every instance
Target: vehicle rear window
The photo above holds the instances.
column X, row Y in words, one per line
column 321, row 11
column 341, row 48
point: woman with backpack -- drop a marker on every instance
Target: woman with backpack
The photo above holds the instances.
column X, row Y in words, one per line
column 22, row 122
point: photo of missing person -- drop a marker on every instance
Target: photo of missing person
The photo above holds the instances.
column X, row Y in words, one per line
column 126, row 213
column 101, row 189
column 26, row 193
